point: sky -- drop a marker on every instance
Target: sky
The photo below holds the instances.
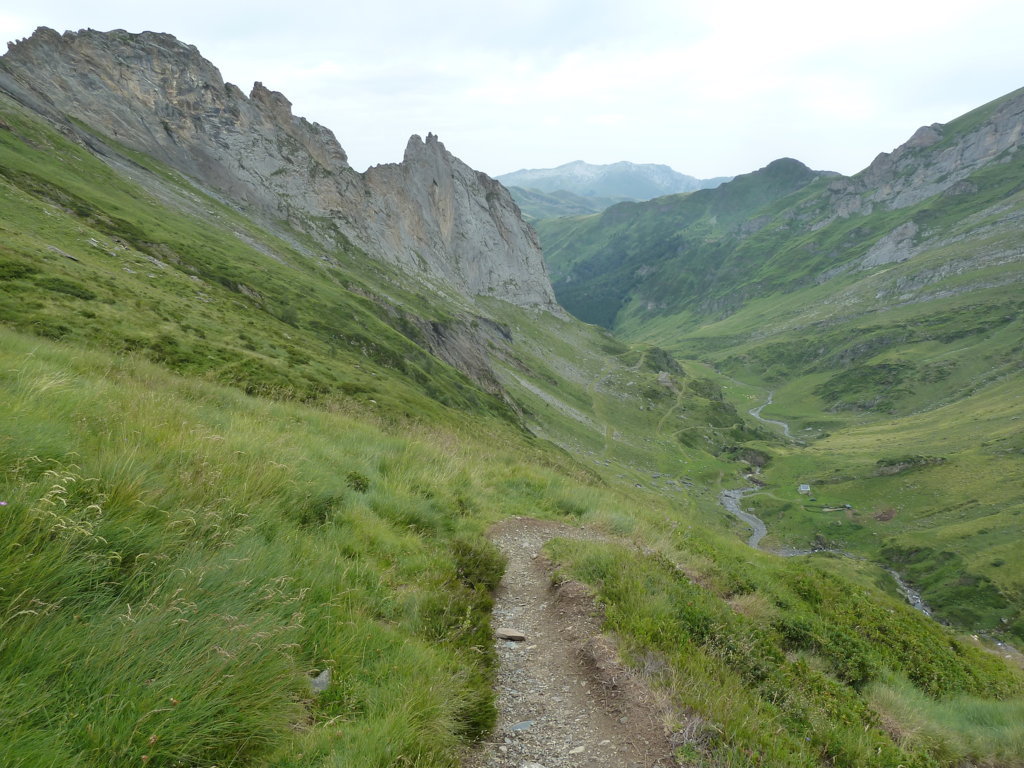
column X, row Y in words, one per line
column 711, row 88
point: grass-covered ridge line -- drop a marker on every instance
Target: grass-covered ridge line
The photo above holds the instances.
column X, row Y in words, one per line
column 91, row 257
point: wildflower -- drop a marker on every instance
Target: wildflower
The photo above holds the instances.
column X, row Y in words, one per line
column 3, row 503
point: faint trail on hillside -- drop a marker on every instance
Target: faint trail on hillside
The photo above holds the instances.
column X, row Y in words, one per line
column 669, row 412
column 756, row 413
column 564, row 700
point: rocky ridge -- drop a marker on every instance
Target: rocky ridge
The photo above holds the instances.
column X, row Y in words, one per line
column 431, row 215
column 936, row 158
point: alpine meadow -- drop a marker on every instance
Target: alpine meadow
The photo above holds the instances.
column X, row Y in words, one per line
column 261, row 415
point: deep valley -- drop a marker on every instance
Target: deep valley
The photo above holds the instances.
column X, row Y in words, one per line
column 264, row 417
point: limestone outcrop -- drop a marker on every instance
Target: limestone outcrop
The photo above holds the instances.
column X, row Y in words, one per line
column 935, row 159
column 430, row 215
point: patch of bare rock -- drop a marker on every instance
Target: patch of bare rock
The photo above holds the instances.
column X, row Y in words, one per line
column 564, row 698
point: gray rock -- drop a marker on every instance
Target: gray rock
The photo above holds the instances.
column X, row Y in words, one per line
column 431, row 215
column 320, row 683
column 507, row 633
column 929, row 163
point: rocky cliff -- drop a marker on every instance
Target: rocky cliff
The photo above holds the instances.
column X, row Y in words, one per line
column 936, row 158
column 431, row 215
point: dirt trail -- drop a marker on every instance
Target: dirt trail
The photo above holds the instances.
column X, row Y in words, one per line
column 564, row 700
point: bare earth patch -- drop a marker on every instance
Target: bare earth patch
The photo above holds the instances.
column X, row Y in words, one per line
column 564, row 698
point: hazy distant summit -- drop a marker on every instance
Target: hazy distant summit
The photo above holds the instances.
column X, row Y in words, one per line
column 622, row 181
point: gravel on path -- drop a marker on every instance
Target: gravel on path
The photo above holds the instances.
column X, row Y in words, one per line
column 564, row 699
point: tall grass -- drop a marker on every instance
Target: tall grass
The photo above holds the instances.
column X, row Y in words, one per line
column 781, row 685
column 178, row 558
column 959, row 730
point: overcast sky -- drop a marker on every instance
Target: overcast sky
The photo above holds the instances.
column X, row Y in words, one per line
column 712, row 88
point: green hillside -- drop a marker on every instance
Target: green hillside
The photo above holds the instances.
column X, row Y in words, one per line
column 537, row 205
column 887, row 323
column 600, row 263
column 230, row 461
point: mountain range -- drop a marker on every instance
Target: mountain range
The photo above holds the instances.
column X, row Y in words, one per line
column 580, row 187
column 884, row 310
column 263, row 414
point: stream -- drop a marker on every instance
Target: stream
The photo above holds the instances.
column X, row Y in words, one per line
column 756, row 413
column 731, row 500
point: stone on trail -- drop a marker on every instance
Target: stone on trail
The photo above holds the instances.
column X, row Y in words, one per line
column 507, row 633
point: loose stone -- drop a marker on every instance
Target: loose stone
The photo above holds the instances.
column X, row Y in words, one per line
column 507, row 633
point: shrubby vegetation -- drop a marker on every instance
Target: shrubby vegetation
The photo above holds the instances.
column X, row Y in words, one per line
column 777, row 656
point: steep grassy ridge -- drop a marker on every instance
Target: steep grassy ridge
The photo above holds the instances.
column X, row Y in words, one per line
column 170, row 272
column 600, row 263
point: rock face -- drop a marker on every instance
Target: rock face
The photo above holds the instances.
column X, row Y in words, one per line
column 432, row 203
column 431, row 215
column 935, row 159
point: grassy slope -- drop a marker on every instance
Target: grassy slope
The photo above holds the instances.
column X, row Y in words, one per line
column 92, row 258
column 180, row 555
column 927, row 378
column 918, row 358
column 599, row 263
column 212, row 491
column 537, row 205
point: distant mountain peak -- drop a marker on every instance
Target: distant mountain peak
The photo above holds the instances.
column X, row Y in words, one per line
column 622, row 180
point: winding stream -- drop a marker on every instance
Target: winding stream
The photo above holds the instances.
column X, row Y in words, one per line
column 731, row 500
column 756, row 413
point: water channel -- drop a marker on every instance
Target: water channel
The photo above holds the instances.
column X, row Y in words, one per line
column 732, row 500
column 756, row 413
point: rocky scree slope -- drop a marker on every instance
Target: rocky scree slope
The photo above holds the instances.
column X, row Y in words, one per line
column 430, row 215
